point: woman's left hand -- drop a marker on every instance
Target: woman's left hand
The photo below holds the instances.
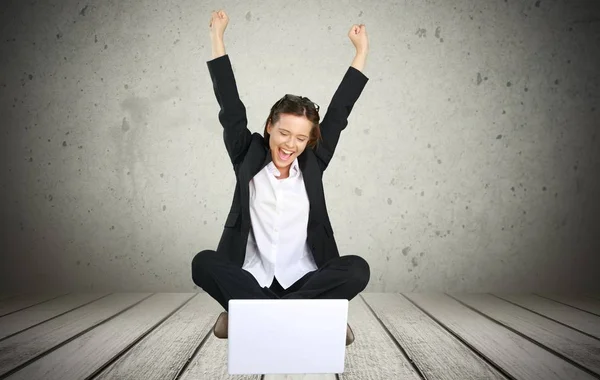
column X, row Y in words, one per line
column 358, row 36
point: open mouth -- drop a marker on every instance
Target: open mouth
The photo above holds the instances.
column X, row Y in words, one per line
column 284, row 154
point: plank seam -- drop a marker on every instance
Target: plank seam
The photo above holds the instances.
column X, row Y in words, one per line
column 481, row 355
column 139, row 339
column 566, row 304
column 193, row 355
column 547, row 317
column 570, row 361
column 389, row 333
column 56, row 316
column 54, row 348
column 35, row 304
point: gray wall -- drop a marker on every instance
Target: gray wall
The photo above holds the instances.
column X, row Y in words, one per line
column 470, row 162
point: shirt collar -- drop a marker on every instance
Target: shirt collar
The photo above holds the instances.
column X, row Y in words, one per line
column 294, row 169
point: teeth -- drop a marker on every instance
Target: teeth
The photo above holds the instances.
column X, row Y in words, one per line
column 286, row 152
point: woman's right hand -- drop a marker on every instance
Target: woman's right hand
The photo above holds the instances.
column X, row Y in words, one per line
column 218, row 24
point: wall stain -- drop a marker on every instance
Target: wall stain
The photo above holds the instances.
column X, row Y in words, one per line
column 437, row 34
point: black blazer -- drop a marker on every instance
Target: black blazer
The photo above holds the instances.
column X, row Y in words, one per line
column 249, row 153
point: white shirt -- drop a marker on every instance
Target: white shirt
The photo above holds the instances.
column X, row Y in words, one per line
column 277, row 244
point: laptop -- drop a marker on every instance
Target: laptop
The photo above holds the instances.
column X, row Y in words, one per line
column 287, row 336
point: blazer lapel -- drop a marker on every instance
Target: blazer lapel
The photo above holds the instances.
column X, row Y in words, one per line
column 310, row 173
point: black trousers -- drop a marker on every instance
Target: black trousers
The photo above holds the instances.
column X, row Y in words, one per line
column 340, row 278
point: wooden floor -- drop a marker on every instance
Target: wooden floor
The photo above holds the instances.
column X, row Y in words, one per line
column 398, row 336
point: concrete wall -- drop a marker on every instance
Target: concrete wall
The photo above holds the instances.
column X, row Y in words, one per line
column 470, row 162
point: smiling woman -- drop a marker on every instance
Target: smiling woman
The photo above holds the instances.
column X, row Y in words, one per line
column 292, row 126
column 277, row 241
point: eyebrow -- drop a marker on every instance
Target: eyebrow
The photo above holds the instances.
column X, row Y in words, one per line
column 286, row 130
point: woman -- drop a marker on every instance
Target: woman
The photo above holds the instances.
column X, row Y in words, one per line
column 278, row 241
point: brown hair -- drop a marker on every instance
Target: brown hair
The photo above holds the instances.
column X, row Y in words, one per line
column 298, row 106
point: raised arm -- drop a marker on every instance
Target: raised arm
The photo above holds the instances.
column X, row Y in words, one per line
column 343, row 100
column 218, row 24
column 232, row 115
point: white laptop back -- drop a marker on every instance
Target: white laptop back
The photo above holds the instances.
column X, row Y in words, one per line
column 287, row 336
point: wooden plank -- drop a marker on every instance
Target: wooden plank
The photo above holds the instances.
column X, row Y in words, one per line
column 573, row 345
column 29, row 344
column 517, row 356
column 13, row 323
column 589, row 304
column 211, row 363
column 298, row 376
column 85, row 355
column 20, row 302
column 436, row 353
column 164, row 352
column 579, row 320
column 374, row 354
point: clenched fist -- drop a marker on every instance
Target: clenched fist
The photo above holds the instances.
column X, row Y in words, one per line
column 218, row 24
column 358, row 36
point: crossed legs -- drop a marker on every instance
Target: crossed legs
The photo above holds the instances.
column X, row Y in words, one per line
column 340, row 278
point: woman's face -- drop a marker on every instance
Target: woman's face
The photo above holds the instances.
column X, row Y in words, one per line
column 288, row 139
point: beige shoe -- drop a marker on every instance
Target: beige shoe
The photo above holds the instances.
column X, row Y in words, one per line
column 220, row 327
column 349, row 336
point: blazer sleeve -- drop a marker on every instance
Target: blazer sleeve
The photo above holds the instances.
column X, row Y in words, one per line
column 232, row 114
column 336, row 117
